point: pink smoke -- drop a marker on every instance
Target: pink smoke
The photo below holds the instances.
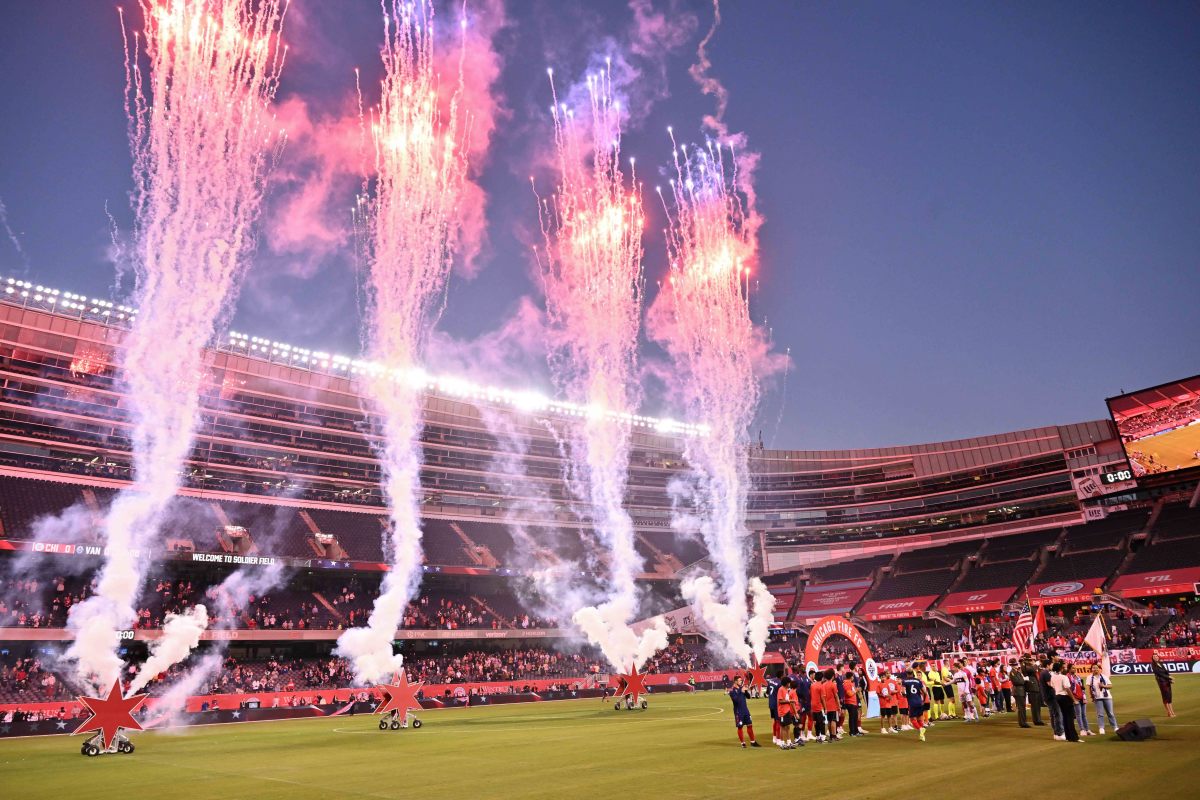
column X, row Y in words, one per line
column 327, row 156
column 480, row 66
column 513, row 354
column 315, row 184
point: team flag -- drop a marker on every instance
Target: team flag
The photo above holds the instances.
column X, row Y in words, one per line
column 1039, row 621
column 1098, row 641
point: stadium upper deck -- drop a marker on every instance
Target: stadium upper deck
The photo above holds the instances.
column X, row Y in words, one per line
column 285, row 425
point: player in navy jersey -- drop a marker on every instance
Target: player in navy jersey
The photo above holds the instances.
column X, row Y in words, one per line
column 741, row 711
column 918, row 699
column 803, row 685
column 773, row 684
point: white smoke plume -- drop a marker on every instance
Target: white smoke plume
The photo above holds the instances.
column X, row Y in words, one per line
column 592, row 276
column 200, row 80
column 180, row 635
column 702, row 318
column 231, row 598
column 410, row 227
column 167, row 708
column 726, row 619
column 762, row 614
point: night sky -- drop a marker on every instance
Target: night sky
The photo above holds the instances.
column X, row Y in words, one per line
column 980, row 217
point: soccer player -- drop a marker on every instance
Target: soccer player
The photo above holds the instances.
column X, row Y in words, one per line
column 850, row 702
column 831, row 699
column 983, row 689
column 817, row 704
column 789, row 705
column 902, row 700
column 803, row 686
column 741, row 712
column 888, row 701
column 962, row 683
column 918, row 696
column 773, row 685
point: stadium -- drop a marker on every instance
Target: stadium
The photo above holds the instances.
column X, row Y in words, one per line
column 234, row 566
column 921, row 547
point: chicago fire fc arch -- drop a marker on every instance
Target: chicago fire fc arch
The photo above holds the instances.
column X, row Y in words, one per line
column 838, row 626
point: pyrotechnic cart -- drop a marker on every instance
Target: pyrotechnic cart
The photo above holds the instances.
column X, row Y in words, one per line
column 95, row 745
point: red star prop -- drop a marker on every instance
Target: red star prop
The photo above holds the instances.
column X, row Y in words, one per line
column 111, row 714
column 399, row 696
column 758, row 675
column 632, row 683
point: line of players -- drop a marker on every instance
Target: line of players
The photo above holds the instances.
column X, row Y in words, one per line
column 824, row 705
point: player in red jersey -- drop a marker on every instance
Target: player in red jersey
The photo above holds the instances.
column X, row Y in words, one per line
column 889, row 702
column 831, row 699
column 817, row 705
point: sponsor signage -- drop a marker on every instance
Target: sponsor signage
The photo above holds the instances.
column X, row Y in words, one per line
column 231, row 558
column 1089, row 487
column 681, row 621
column 1059, row 592
column 978, row 600
column 822, row 599
column 1130, row 661
column 1145, row 668
column 96, row 551
column 901, row 608
column 836, row 626
column 1145, row 584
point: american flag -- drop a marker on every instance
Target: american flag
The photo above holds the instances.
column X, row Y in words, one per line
column 1023, row 631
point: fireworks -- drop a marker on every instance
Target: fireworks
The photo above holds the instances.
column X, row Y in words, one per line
column 592, row 273
column 709, row 334
column 409, row 228
column 200, row 81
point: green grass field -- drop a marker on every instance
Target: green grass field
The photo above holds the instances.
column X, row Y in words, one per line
column 1174, row 449
column 683, row 746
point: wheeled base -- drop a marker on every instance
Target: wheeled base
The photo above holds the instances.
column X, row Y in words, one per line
column 628, row 704
column 395, row 724
column 95, row 746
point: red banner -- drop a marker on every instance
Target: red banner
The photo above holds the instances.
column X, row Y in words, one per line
column 901, row 608
column 978, row 600
column 834, row 626
column 1060, row 592
column 232, row 701
column 1144, row 584
column 823, row 599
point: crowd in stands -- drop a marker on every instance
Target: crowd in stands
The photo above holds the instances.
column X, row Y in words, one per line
column 1181, row 633
column 34, row 603
column 681, row 658
column 45, row 603
column 27, row 679
column 1159, row 419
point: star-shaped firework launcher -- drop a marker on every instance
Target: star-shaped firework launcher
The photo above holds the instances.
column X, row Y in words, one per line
column 758, row 675
column 631, row 683
column 111, row 714
column 399, row 696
